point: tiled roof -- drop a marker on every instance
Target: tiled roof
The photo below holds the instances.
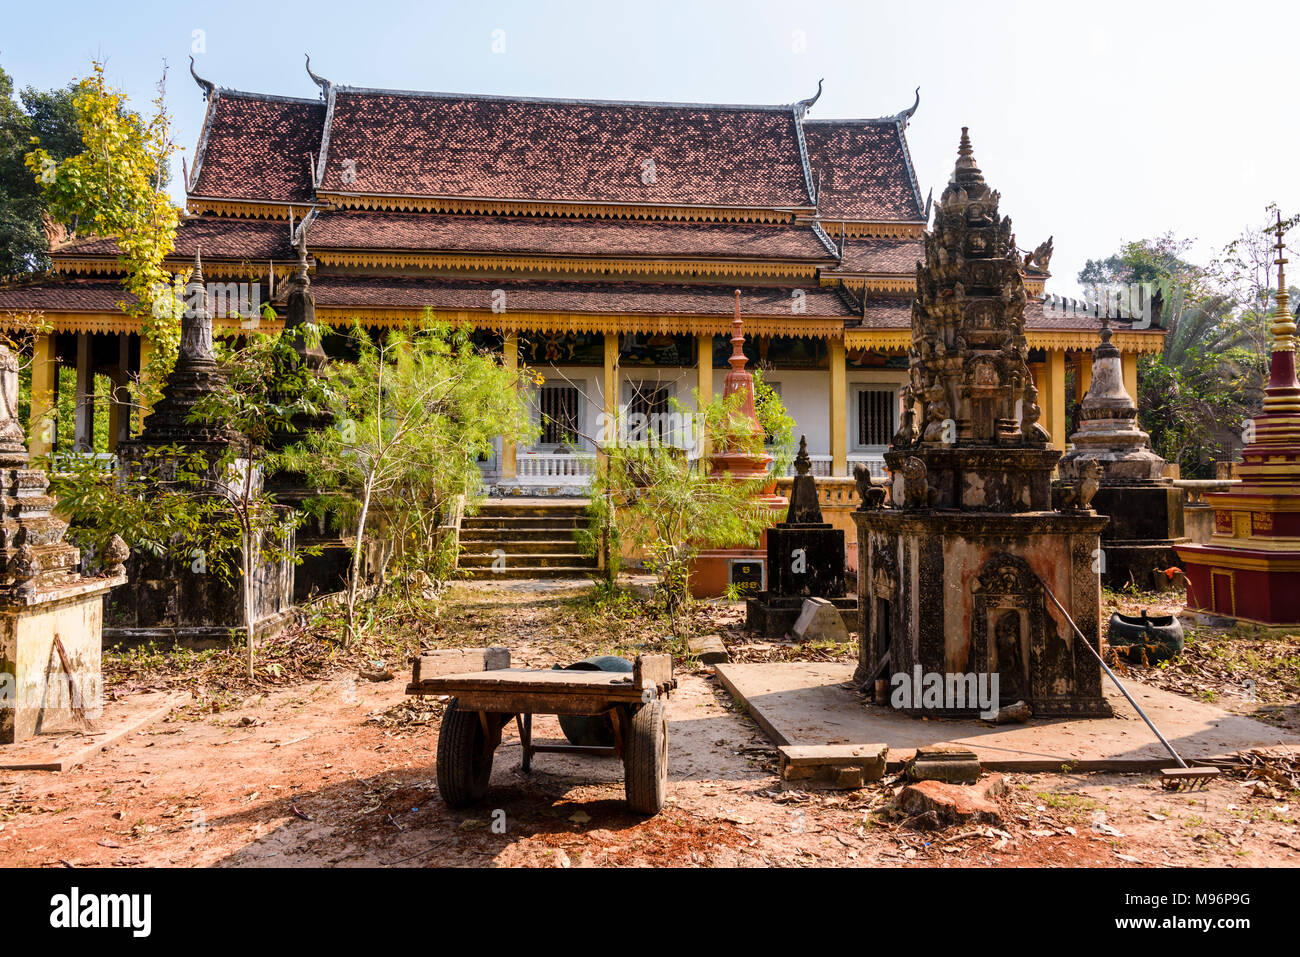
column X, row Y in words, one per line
column 258, row 148
column 863, row 169
column 631, row 298
column 394, row 143
column 63, row 295
column 217, row 237
column 880, row 255
column 562, row 237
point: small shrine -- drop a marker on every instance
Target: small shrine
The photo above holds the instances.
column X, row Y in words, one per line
column 179, row 597
column 326, row 571
column 805, row 559
column 955, row 568
column 716, row 568
column 51, row 615
column 1111, row 452
column 1250, row 567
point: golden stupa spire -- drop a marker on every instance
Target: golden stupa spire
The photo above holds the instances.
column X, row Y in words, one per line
column 1283, row 327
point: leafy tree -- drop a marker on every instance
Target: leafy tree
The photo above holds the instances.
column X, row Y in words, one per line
column 115, row 187
column 48, row 116
column 413, row 415
column 668, row 506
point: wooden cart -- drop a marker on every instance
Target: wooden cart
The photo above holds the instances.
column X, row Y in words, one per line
column 488, row 693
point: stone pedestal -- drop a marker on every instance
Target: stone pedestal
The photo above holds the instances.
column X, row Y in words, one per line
column 805, row 559
column 50, row 614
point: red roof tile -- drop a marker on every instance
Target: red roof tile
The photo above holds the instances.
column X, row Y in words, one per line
column 559, row 296
column 880, row 255
column 562, row 237
column 391, row 143
column 218, row 238
column 257, row 148
column 896, row 313
column 863, row 169
column 63, row 295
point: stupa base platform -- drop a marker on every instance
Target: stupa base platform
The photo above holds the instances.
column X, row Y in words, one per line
column 813, row 703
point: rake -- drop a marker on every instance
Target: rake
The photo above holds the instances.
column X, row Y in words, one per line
column 1183, row 776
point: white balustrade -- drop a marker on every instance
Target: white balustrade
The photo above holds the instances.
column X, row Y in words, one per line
column 555, row 468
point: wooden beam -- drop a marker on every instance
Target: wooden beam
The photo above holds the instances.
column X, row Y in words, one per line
column 839, row 410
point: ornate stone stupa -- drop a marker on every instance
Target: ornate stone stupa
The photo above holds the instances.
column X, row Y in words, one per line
column 1111, row 450
column 951, row 573
column 1250, row 568
column 51, row 615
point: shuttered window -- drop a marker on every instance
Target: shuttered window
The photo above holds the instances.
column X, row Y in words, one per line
column 876, row 416
column 559, row 407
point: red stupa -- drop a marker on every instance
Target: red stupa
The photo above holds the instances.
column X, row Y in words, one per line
column 1250, row 568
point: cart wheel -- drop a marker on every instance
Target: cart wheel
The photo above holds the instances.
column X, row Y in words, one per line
column 645, row 759
column 464, row 757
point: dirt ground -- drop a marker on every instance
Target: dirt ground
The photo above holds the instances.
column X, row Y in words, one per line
column 339, row 771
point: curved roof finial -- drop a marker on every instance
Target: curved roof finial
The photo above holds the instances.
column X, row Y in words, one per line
column 207, row 86
column 803, row 106
column 906, row 115
column 320, row 81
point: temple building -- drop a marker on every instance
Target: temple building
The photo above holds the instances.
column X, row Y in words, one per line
column 598, row 242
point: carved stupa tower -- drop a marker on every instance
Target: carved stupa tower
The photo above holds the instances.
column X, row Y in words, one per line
column 952, row 573
column 1250, row 567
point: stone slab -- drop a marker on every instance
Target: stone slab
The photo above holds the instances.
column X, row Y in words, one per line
column 66, row 750
column 836, row 766
column 812, row 703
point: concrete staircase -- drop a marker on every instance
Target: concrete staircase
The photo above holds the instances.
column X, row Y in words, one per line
column 535, row 534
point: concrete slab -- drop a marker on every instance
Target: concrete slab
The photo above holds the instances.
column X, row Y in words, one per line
column 811, row 703
column 62, row 751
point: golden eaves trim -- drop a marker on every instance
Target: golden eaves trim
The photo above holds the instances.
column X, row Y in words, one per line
column 529, row 264
column 882, row 230
column 248, row 209
column 493, row 207
column 877, row 338
column 589, row 322
column 251, row 270
column 112, row 323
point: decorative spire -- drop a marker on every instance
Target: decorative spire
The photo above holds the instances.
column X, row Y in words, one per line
column 803, row 106
column 966, row 173
column 324, row 84
column 207, row 86
column 802, row 463
column 902, row 118
column 1282, row 396
column 737, row 360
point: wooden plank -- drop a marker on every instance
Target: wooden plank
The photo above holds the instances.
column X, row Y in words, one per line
column 539, row 702
column 652, row 671
column 455, row 661
column 606, row 684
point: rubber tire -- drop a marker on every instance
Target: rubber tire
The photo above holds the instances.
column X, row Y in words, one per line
column 464, row 770
column 645, row 758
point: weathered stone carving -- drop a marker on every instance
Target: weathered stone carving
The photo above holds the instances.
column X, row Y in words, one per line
column 951, row 578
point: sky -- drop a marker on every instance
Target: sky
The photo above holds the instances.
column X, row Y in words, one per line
column 1099, row 122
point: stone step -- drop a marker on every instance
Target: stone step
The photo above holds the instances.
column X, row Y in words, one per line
column 521, row 521
column 524, row 571
column 515, row 534
column 553, row 560
column 543, row 546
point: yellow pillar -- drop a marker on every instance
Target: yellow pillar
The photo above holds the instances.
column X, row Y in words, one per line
column 1129, row 364
column 509, row 450
column 146, row 347
column 1085, row 375
column 609, row 393
column 704, row 379
column 1054, row 414
column 839, row 410
column 40, row 432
